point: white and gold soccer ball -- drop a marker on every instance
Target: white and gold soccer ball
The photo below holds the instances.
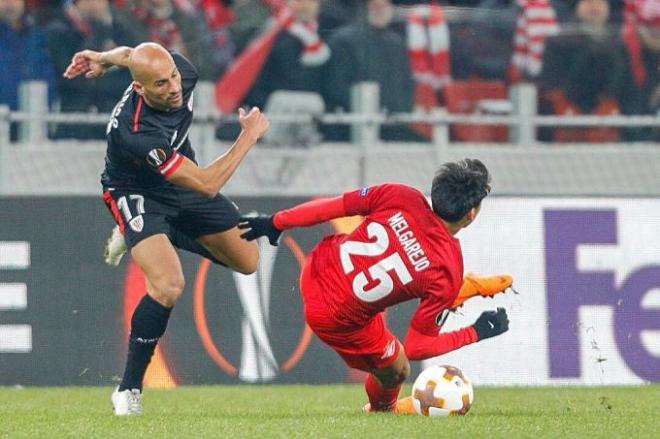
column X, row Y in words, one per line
column 442, row 390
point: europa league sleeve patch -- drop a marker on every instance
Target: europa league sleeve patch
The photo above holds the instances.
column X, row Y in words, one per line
column 156, row 157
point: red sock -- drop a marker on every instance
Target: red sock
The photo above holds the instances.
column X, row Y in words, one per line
column 380, row 398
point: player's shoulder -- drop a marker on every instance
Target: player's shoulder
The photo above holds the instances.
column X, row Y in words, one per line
column 134, row 133
column 396, row 189
column 404, row 195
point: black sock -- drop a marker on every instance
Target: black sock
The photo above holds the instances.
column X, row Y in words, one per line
column 147, row 326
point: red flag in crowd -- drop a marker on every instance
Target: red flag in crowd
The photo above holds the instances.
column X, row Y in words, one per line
column 232, row 87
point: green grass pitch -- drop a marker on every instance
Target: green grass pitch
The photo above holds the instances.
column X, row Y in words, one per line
column 323, row 411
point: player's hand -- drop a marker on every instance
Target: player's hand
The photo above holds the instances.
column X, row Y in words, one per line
column 491, row 323
column 255, row 122
column 87, row 62
column 258, row 226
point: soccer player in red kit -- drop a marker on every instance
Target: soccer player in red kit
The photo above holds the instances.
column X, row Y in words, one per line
column 404, row 249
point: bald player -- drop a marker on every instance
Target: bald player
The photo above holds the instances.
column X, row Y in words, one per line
column 159, row 197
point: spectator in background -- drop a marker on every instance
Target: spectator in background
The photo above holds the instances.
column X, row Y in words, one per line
column 481, row 42
column 22, row 53
column 219, row 16
column 178, row 27
column 369, row 50
column 583, row 72
column 92, row 24
column 337, row 13
column 249, row 18
column 297, row 57
column 641, row 35
column 537, row 20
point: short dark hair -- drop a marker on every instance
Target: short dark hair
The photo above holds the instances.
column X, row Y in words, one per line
column 458, row 187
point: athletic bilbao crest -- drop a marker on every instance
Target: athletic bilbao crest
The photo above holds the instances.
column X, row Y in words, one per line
column 137, row 224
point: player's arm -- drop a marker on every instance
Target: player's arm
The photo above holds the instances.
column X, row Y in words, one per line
column 357, row 202
column 303, row 215
column 210, row 179
column 94, row 64
column 420, row 346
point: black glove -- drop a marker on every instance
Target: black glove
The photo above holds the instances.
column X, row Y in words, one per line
column 491, row 323
column 258, row 226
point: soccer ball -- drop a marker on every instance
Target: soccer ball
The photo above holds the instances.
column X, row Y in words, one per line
column 442, row 391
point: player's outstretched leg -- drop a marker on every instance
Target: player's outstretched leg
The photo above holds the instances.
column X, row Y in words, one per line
column 232, row 251
column 485, row 286
column 162, row 268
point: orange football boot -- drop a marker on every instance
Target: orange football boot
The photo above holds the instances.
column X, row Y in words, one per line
column 485, row 286
column 403, row 406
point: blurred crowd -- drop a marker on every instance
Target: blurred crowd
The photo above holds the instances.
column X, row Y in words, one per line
column 585, row 56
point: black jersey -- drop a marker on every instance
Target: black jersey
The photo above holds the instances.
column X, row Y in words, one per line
column 144, row 144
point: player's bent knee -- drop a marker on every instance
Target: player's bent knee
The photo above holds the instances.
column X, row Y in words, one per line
column 168, row 290
column 404, row 373
column 400, row 375
column 394, row 374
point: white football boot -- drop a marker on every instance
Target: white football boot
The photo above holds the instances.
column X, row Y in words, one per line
column 127, row 402
column 115, row 248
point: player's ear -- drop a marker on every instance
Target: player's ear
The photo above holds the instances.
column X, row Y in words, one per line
column 138, row 88
column 470, row 216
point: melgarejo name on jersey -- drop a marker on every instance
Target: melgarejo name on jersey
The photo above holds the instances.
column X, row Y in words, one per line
column 408, row 241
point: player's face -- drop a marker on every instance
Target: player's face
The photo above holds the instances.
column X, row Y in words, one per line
column 163, row 89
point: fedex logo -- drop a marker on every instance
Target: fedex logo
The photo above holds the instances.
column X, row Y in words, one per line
column 16, row 338
column 569, row 288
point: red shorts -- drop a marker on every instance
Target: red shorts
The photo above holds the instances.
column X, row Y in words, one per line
column 366, row 347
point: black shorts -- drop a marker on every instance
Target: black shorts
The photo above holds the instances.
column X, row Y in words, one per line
column 182, row 214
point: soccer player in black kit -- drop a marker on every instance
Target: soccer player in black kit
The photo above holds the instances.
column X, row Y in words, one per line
column 158, row 195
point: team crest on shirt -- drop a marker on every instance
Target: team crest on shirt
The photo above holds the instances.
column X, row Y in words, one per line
column 156, row 157
column 364, row 191
column 137, row 224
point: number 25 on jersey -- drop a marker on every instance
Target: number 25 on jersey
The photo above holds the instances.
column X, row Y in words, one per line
column 380, row 271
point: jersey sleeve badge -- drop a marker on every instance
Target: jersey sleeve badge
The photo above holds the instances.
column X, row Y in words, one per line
column 156, row 157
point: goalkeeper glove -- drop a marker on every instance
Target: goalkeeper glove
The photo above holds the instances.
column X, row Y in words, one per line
column 491, row 323
column 258, row 226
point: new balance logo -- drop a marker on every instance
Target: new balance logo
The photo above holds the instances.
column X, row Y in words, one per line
column 389, row 350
